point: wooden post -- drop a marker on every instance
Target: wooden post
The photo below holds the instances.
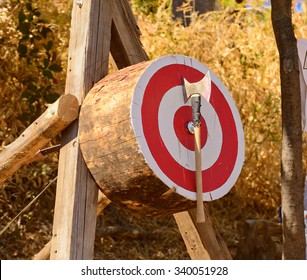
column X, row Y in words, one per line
column 55, row 119
column 126, row 47
column 191, row 237
column 44, row 253
column 76, row 200
column 202, row 240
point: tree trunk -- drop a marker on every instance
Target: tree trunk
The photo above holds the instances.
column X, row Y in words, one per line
column 291, row 154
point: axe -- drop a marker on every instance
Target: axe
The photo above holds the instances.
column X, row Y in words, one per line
column 195, row 91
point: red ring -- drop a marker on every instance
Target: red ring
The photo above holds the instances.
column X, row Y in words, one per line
column 181, row 118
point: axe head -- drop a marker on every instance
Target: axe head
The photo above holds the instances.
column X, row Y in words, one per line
column 202, row 87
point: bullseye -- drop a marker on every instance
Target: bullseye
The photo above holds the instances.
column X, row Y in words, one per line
column 168, row 123
column 181, row 119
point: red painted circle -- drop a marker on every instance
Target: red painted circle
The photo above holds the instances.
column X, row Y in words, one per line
column 181, row 119
column 214, row 177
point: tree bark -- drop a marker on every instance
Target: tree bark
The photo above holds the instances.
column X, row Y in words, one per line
column 291, row 154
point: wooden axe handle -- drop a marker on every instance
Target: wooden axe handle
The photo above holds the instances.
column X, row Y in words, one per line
column 200, row 217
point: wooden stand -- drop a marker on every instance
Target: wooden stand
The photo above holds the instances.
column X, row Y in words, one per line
column 97, row 29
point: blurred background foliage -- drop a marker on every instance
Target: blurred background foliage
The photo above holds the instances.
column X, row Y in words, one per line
column 237, row 44
column 34, row 41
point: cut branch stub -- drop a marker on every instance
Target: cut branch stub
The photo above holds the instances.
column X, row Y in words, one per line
column 55, row 119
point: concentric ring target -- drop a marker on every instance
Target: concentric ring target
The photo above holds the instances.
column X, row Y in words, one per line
column 159, row 117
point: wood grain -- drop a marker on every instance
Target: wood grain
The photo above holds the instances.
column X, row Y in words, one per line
column 25, row 148
column 203, row 241
column 126, row 47
column 76, row 200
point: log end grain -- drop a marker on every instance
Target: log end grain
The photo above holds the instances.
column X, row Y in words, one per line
column 68, row 108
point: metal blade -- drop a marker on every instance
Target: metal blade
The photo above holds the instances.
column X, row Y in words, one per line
column 202, row 87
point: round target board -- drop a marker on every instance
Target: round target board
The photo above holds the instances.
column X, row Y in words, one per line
column 160, row 114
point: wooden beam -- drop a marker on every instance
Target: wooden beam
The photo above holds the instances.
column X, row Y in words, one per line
column 210, row 236
column 126, row 46
column 76, row 199
column 22, row 151
column 203, row 241
column 191, row 237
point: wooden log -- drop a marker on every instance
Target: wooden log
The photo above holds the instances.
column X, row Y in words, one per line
column 55, row 119
column 111, row 151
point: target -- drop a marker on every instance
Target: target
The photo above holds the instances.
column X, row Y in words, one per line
column 159, row 116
